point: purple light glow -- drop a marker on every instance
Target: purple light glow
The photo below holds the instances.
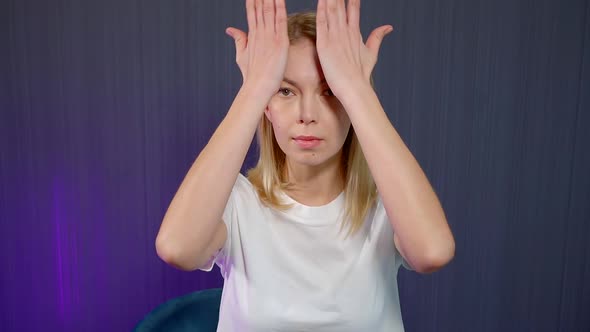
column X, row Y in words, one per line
column 64, row 211
column 58, row 219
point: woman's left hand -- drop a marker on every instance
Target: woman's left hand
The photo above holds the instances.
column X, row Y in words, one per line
column 345, row 59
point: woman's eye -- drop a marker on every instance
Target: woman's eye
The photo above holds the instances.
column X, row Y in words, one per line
column 329, row 92
column 284, row 91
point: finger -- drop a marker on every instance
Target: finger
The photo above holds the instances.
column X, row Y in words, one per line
column 268, row 11
column 240, row 38
column 335, row 13
column 354, row 12
column 329, row 12
column 251, row 14
column 376, row 37
column 321, row 21
column 341, row 13
column 281, row 18
column 259, row 16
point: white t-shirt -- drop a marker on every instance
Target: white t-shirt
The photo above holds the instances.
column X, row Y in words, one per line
column 293, row 271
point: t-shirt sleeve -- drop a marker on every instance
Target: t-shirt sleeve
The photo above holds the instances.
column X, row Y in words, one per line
column 404, row 261
column 383, row 214
column 228, row 218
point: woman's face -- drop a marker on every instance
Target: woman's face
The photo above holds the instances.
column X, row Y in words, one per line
column 309, row 123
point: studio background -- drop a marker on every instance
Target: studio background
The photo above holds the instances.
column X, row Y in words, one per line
column 104, row 106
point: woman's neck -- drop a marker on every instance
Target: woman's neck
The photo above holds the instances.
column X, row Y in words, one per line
column 315, row 185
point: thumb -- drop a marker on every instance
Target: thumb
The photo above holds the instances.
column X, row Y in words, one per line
column 239, row 37
column 376, row 37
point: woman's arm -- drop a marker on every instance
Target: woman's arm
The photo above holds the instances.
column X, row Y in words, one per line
column 194, row 215
column 422, row 234
column 192, row 229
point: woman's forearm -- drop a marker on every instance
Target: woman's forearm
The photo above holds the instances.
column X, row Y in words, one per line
column 410, row 201
column 196, row 209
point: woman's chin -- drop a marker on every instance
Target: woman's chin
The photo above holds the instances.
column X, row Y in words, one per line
column 310, row 158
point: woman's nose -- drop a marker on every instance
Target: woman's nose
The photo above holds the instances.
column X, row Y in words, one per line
column 308, row 110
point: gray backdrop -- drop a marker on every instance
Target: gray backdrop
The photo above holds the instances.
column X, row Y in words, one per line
column 104, row 105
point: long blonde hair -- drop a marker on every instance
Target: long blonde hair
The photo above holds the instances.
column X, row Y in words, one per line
column 267, row 176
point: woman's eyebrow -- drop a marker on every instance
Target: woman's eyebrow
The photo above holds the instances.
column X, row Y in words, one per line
column 292, row 82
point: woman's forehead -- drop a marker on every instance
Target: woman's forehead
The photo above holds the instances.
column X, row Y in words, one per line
column 303, row 65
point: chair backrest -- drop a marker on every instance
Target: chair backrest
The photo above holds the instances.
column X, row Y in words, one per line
column 195, row 312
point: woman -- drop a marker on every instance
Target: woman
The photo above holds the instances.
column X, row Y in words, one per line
column 305, row 242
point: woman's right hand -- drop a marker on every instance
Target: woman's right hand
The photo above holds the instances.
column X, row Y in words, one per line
column 261, row 55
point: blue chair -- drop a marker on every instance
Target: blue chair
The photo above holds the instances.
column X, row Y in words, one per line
column 195, row 312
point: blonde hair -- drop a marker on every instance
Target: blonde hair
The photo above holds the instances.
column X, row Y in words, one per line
column 267, row 176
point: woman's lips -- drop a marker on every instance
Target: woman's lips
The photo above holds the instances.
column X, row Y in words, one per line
column 307, row 142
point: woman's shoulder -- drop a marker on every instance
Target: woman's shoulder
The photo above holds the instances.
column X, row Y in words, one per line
column 243, row 182
column 244, row 198
column 243, row 187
